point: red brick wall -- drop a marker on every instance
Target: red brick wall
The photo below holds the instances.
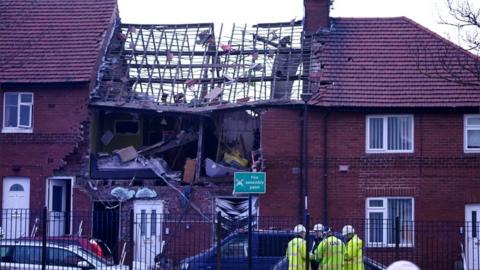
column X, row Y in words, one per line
column 439, row 175
column 59, row 113
column 317, row 14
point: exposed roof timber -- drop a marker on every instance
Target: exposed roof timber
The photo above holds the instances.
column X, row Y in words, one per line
column 188, row 63
column 167, row 26
column 219, row 80
column 215, row 52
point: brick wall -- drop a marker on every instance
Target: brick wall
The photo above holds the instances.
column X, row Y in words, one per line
column 439, row 175
column 60, row 113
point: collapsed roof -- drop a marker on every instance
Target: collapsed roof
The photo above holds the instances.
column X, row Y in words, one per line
column 197, row 67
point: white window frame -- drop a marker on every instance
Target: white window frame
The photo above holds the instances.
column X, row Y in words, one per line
column 385, row 134
column 18, row 128
column 465, row 135
column 384, row 210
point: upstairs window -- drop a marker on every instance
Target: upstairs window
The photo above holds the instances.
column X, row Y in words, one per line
column 390, row 134
column 471, row 130
column 17, row 112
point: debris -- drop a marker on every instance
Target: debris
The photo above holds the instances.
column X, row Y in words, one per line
column 204, row 37
column 235, row 159
column 122, row 194
column 214, row 169
column 178, row 98
column 181, row 139
column 145, row 193
column 107, row 137
column 159, row 173
column 189, row 170
column 169, row 56
column 127, row 153
column 256, row 67
column 243, row 100
column 121, row 36
column 227, row 48
column 214, row 93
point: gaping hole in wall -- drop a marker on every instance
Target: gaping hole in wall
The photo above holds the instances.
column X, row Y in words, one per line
column 174, row 146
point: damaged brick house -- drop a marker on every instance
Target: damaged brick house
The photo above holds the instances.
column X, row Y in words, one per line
column 50, row 55
column 175, row 110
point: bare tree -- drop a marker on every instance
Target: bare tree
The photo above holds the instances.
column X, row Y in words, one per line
column 465, row 16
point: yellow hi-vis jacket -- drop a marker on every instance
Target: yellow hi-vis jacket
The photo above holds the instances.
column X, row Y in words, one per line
column 354, row 254
column 297, row 254
column 330, row 253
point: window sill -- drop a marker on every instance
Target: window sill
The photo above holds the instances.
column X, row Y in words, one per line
column 471, row 151
column 16, row 130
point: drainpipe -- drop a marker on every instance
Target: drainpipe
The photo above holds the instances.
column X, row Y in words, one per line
column 305, row 97
column 325, row 170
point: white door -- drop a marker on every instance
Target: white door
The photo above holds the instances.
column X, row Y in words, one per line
column 57, row 206
column 148, row 230
column 15, row 206
column 472, row 237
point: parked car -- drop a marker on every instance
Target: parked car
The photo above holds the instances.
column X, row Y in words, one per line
column 97, row 246
column 268, row 248
column 369, row 264
column 27, row 254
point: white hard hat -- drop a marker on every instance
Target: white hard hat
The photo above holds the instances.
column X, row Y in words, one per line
column 319, row 227
column 348, row 229
column 299, row 229
column 403, row 265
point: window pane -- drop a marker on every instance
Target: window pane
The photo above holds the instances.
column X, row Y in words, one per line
column 375, row 203
column 375, row 133
column 62, row 257
column 399, row 133
column 401, row 208
column 25, row 115
column 11, row 114
column 153, row 221
column 375, row 227
column 27, row 255
column 11, row 99
column 26, row 98
column 143, row 222
column 473, row 120
column 473, row 139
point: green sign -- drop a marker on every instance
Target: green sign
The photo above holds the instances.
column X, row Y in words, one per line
column 250, row 183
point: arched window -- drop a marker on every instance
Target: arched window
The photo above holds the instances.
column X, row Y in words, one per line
column 16, row 187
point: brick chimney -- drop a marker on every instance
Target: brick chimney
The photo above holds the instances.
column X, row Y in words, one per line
column 317, row 15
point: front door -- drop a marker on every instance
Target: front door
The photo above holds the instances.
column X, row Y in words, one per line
column 148, row 231
column 472, row 237
column 15, row 207
column 57, row 206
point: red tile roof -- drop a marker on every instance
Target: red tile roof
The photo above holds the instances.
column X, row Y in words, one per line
column 385, row 62
column 52, row 40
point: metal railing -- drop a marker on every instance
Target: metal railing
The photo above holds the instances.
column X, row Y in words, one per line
column 147, row 239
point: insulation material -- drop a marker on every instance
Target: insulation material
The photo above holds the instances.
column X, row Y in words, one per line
column 234, row 212
column 127, row 153
column 145, row 193
column 122, row 194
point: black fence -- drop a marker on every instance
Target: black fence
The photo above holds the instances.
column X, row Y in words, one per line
column 147, row 239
